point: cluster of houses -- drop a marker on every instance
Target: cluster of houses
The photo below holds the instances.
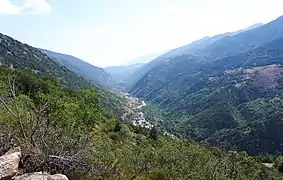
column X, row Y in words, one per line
column 139, row 120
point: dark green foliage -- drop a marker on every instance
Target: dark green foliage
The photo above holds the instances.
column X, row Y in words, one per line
column 266, row 158
column 153, row 134
column 24, row 56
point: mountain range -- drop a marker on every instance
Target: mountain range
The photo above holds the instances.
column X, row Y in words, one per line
column 142, row 60
column 207, row 88
column 92, row 73
column 224, row 91
column 215, row 90
column 133, row 71
column 126, row 75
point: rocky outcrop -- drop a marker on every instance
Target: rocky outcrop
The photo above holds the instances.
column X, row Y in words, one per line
column 9, row 163
column 40, row 176
column 9, row 169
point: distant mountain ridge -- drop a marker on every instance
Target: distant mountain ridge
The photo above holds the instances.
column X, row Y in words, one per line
column 207, row 90
column 128, row 74
column 92, row 73
column 125, row 74
column 202, row 43
column 190, row 49
column 206, row 50
column 142, row 60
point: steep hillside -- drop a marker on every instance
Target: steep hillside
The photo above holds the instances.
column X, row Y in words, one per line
column 207, row 93
column 194, row 50
column 239, row 110
column 18, row 55
column 94, row 74
column 170, row 55
column 243, row 42
column 202, row 43
column 168, row 74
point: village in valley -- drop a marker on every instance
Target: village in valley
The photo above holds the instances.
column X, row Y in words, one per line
column 133, row 112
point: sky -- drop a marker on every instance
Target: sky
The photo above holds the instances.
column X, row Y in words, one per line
column 113, row 32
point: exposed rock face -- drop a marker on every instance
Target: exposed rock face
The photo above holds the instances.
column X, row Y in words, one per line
column 9, row 168
column 40, row 176
column 9, row 163
column 5, row 141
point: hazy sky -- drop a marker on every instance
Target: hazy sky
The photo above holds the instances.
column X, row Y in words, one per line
column 111, row 32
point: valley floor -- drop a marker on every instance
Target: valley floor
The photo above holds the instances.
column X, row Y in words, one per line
column 132, row 112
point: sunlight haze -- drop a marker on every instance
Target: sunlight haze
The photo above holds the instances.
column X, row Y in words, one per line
column 110, row 32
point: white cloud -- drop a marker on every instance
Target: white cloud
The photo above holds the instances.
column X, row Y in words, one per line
column 27, row 7
column 6, row 7
column 36, row 7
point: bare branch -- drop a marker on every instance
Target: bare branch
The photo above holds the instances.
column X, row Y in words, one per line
column 13, row 92
column 6, row 106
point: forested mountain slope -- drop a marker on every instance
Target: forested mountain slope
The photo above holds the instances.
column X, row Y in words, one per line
column 92, row 73
column 197, row 49
column 220, row 100
column 18, row 55
column 171, row 73
column 244, row 41
column 202, row 43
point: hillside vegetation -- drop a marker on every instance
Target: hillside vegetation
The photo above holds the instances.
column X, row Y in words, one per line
column 18, row 55
column 213, row 107
column 67, row 131
column 227, row 94
column 92, row 73
column 63, row 124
